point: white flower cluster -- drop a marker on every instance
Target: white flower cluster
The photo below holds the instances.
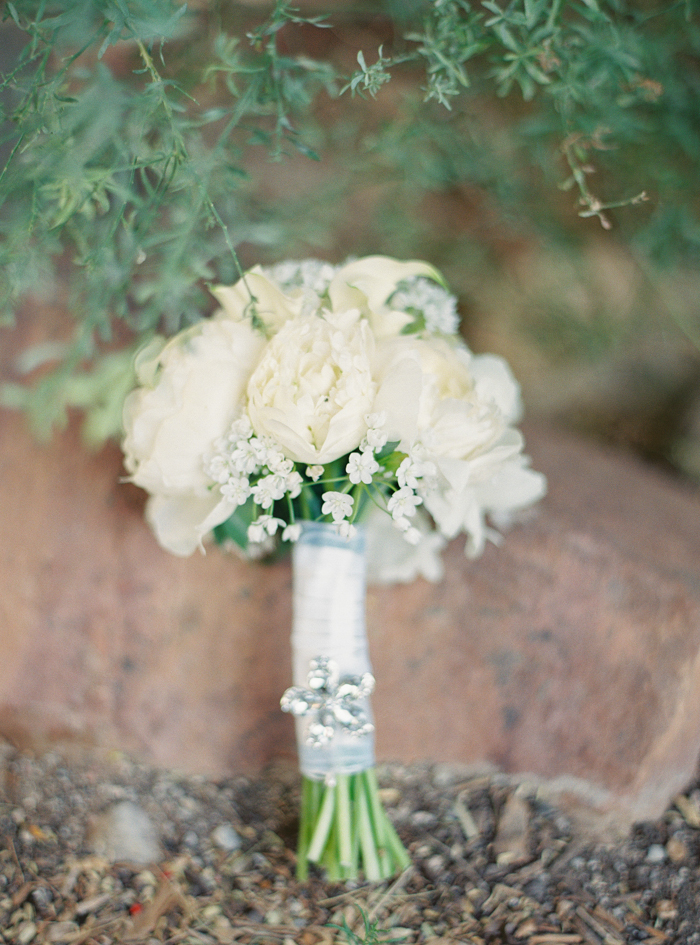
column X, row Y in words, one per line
column 436, row 306
column 240, row 457
column 311, row 274
column 325, row 392
column 244, row 466
column 309, row 278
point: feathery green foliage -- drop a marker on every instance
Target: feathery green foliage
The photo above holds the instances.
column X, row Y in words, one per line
column 136, row 135
column 122, row 172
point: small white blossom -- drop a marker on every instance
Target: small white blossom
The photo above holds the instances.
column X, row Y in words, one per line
column 412, row 472
column 261, row 448
column 293, row 484
column 278, row 463
column 314, row 472
column 403, row 503
column 279, row 485
column 375, row 437
column 218, row 467
column 241, row 429
column 262, row 527
column 376, row 420
column 412, row 536
column 419, row 452
column 407, row 474
column 346, row 530
column 361, row 467
column 373, row 440
column 268, row 490
column 292, row 532
column 245, row 458
column 256, row 532
column 410, row 533
column 237, row 489
column 314, row 274
column 262, row 495
column 337, row 504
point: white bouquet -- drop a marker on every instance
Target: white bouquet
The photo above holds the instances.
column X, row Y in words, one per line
column 330, row 395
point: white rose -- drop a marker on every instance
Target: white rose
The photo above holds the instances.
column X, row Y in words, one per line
column 391, row 559
column 416, row 375
column 257, row 297
column 190, row 391
column 500, row 488
column 313, row 386
column 367, row 284
column 458, row 408
column 494, row 383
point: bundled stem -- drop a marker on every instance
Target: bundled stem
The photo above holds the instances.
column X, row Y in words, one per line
column 345, row 830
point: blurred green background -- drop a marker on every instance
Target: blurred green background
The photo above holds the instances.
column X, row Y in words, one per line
column 544, row 155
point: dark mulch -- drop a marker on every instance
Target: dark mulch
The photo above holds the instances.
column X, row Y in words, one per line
column 492, row 863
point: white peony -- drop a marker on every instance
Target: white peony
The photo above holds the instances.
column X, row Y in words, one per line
column 313, row 386
column 191, row 389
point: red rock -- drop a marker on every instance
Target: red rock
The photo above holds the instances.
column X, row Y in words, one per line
column 572, row 652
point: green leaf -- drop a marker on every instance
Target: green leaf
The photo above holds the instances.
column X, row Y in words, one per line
column 235, row 528
column 13, row 13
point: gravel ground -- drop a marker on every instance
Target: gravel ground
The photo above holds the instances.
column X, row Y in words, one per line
column 492, row 863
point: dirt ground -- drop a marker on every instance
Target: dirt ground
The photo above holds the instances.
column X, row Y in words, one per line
column 491, row 863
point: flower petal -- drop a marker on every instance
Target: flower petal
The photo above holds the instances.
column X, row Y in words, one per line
column 180, row 523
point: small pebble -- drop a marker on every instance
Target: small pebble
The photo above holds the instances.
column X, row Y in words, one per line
column 41, row 897
column 226, row 838
column 435, row 865
column 191, row 839
column 666, row 909
column 677, row 850
column 389, row 796
column 125, row 833
column 421, row 818
column 511, row 840
column 656, row 853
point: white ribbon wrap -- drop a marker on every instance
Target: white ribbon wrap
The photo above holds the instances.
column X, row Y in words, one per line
column 329, row 579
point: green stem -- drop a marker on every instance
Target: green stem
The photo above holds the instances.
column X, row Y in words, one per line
column 304, row 502
column 309, row 810
column 344, row 829
column 391, row 842
column 330, row 856
column 378, row 819
column 323, row 826
column 343, row 820
column 367, row 841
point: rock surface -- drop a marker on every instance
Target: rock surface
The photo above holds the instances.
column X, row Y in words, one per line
column 571, row 652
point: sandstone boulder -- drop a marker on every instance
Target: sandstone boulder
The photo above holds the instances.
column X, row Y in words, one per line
column 571, row 653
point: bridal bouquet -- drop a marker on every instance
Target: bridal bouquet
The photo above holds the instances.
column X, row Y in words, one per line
column 318, row 398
